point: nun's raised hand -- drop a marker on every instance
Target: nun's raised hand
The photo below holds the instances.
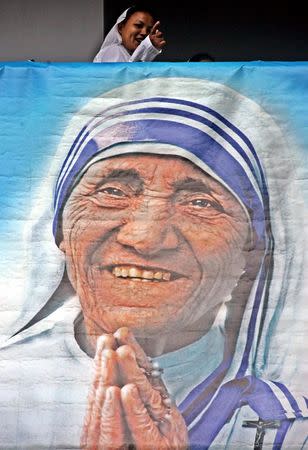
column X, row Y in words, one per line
column 153, row 420
column 157, row 37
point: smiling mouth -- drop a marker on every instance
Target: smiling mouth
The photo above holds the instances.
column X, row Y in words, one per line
column 142, row 274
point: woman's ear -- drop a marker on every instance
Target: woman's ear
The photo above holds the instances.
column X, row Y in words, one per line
column 120, row 26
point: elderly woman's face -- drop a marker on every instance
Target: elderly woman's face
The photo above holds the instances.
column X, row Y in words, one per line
column 152, row 243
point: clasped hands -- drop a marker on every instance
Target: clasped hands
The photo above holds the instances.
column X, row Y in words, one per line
column 128, row 402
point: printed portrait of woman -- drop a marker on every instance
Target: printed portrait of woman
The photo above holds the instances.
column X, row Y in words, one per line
column 166, row 280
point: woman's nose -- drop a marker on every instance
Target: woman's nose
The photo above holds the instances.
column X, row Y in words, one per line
column 144, row 31
column 148, row 236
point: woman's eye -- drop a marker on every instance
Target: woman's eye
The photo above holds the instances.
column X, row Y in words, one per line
column 206, row 203
column 202, row 203
column 112, row 191
column 203, row 206
column 110, row 197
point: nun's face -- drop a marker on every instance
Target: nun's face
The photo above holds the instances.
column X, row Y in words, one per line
column 135, row 29
column 152, row 243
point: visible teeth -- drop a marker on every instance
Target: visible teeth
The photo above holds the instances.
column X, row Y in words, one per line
column 148, row 275
column 158, row 275
column 117, row 271
column 134, row 272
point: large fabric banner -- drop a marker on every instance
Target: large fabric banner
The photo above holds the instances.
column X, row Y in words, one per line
column 153, row 244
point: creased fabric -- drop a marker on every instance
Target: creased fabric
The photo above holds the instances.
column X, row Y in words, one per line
column 231, row 138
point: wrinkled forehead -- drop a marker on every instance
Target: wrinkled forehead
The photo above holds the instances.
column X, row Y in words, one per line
column 154, row 169
column 149, row 160
column 146, row 165
column 163, row 170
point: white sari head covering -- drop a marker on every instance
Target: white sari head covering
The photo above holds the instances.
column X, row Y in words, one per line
column 114, row 37
column 234, row 140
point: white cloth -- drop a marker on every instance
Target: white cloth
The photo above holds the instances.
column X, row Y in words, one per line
column 112, row 49
column 118, row 53
column 44, row 385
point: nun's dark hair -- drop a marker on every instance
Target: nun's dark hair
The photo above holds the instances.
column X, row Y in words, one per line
column 202, row 56
column 140, row 7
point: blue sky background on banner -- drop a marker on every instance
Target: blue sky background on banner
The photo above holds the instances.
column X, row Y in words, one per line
column 39, row 99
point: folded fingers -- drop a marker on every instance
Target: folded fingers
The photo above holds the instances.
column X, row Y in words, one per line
column 124, row 336
column 106, row 375
column 157, row 405
column 143, row 429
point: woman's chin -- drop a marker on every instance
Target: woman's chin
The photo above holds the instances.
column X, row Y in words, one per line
column 144, row 324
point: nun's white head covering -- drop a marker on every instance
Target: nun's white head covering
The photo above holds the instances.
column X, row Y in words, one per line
column 114, row 37
column 234, row 140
